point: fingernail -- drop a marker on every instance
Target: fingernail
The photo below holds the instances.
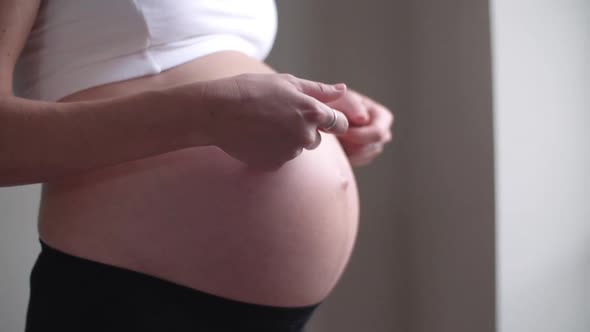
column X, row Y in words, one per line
column 340, row 86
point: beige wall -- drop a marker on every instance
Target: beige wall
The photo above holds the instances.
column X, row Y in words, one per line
column 447, row 204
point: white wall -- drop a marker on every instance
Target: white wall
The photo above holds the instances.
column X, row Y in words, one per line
column 542, row 121
column 18, row 249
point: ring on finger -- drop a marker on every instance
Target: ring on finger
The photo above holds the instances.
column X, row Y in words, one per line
column 334, row 120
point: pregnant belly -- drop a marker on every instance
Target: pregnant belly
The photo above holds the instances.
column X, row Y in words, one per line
column 202, row 219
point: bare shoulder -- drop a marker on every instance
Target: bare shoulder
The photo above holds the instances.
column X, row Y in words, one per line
column 16, row 19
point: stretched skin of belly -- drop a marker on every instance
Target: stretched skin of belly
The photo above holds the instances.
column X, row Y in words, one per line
column 202, row 219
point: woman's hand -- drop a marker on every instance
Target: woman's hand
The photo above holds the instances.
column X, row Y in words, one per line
column 370, row 127
column 266, row 120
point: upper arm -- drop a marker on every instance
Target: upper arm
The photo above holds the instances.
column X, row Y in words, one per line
column 16, row 19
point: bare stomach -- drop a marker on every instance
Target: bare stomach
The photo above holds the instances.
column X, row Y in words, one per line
column 200, row 218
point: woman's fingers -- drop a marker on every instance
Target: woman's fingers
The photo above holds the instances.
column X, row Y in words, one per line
column 378, row 130
column 316, row 143
column 359, row 155
column 351, row 104
column 320, row 91
column 367, row 134
column 323, row 117
column 333, row 121
column 364, row 150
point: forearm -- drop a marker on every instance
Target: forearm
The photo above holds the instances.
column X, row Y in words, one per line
column 40, row 141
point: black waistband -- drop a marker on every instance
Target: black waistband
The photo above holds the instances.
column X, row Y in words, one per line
column 70, row 293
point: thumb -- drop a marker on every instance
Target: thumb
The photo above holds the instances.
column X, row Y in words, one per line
column 320, row 91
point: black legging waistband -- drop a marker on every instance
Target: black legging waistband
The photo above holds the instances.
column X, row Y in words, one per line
column 70, row 293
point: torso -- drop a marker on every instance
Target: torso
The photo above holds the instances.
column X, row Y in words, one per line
column 199, row 218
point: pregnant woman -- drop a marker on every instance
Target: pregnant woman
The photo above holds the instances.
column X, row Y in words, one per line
column 186, row 185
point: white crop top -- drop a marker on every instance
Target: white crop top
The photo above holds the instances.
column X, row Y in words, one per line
column 78, row 44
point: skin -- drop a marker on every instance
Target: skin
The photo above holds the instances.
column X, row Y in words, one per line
column 370, row 127
column 217, row 165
